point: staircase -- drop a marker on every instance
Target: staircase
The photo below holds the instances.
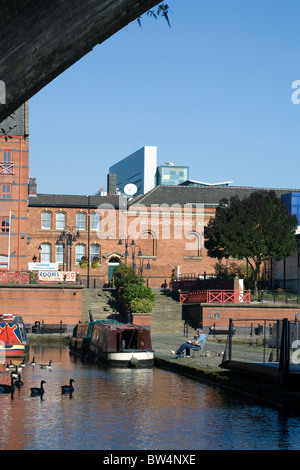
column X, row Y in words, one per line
column 101, row 302
column 166, row 313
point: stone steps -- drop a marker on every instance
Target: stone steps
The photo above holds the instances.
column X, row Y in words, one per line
column 166, row 313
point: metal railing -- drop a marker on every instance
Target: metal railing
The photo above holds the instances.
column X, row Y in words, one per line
column 215, row 296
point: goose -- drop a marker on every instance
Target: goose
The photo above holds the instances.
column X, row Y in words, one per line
column 22, row 364
column 46, row 366
column 33, row 362
column 38, row 391
column 14, row 374
column 68, row 388
column 11, row 365
column 5, row 388
column 18, row 383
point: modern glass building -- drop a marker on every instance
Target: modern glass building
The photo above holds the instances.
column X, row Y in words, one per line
column 171, row 174
column 292, row 202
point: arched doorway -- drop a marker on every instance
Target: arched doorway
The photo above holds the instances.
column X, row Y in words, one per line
column 112, row 264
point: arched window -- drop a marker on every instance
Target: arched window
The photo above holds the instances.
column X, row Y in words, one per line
column 79, row 252
column 59, row 253
column 150, row 246
column 194, row 244
column 80, row 221
column 60, row 221
column 94, row 251
column 46, row 220
column 45, row 253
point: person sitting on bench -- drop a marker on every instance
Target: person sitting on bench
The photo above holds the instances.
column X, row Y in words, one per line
column 195, row 344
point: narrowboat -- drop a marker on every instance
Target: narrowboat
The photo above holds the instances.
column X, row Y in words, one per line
column 81, row 339
column 13, row 338
column 113, row 343
column 121, row 345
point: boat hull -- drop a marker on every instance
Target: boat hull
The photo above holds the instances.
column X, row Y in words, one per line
column 8, row 351
column 13, row 338
column 124, row 359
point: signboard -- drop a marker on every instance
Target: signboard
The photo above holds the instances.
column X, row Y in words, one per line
column 57, row 276
column 41, row 266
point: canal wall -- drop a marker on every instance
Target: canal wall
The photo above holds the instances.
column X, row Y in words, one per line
column 43, row 303
column 205, row 315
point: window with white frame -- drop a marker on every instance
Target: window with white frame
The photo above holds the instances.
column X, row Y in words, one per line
column 79, row 252
column 60, row 221
column 46, row 220
column 45, row 253
column 80, row 221
column 94, row 251
column 59, row 253
column 95, row 221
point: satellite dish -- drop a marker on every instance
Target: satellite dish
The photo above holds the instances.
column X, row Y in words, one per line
column 130, row 189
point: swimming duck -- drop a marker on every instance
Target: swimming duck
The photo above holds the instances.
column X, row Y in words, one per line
column 46, row 366
column 68, row 388
column 18, row 383
column 5, row 388
column 37, row 390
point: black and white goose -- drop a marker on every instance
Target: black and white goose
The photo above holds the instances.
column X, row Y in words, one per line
column 68, row 388
column 5, row 388
column 18, row 383
column 46, row 366
column 38, row 390
column 33, row 361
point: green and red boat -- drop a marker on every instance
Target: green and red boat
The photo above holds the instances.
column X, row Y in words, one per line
column 13, row 339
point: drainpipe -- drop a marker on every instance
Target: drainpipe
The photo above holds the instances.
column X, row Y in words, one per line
column 19, row 222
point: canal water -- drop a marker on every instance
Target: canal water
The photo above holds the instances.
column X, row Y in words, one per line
column 115, row 409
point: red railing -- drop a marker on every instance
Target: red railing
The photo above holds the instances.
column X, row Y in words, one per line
column 218, row 296
column 15, row 277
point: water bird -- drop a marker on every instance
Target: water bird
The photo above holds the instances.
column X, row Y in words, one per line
column 38, row 390
column 14, row 374
column 18, row 383
column 22, row 364
column 46, row 366
column 33, row 361
column 5, row 388
column 68, row 388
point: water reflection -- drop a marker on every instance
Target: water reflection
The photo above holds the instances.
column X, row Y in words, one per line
column 132, row 409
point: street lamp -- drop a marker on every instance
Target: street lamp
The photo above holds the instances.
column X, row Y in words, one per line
column 66, row 238
column 133, row 245
column 141, row 267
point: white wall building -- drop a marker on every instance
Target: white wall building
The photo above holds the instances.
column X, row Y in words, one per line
column 139, row 168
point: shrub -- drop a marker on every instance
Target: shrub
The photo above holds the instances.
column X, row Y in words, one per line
column 141, row 305
column 125, row 275
column 135, row 291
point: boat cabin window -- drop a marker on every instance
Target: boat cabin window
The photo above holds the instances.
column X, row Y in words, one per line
column 130, row 339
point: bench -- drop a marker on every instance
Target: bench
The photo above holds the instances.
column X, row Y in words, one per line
column 46, row 328
column 220, row 330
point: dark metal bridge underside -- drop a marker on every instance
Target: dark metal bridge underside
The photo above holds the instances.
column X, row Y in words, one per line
column 41, row 39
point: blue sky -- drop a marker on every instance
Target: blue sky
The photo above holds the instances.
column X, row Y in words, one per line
column 213, row 92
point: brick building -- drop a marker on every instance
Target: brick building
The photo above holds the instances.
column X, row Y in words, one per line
column 166, row 223
column 14, row 173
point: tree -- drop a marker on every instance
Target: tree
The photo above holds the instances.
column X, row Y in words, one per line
column 256, row 228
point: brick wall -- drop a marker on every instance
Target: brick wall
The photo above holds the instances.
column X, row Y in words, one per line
column 50, row 304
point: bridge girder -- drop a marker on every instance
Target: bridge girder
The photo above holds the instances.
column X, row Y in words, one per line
column 40, row 40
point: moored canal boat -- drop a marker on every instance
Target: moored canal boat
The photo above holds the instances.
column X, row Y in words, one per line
column 13, row 339
column 121, row 345
column 113, row 343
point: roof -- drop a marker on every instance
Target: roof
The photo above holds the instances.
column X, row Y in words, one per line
column 74, row 201
column 210, row 195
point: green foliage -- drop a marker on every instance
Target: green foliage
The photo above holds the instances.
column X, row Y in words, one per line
column 229, row 271
column 254, row 228
column 141, row 305
column 162, row 10
column 124, row 275
column 135, row 291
